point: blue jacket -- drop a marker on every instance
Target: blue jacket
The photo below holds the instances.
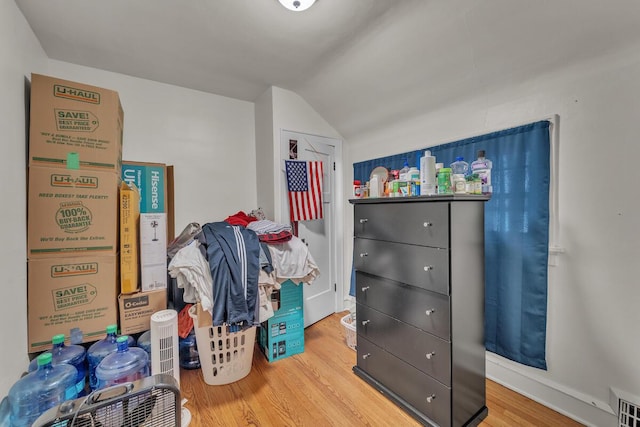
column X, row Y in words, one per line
column 233, row 253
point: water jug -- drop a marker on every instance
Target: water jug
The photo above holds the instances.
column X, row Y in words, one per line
column 189, row 357
column 100, row 349
column 125, row 365
column 144, row 342
column 72, row 354
column 46, row 387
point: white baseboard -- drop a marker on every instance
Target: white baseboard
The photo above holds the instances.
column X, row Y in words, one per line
column 575, row 405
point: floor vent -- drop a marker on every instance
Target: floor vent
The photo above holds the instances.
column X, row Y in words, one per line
column 628, row 414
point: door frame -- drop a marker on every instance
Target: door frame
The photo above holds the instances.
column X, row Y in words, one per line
column 282, row 208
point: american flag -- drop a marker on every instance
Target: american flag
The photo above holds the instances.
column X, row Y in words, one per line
column 304, row 182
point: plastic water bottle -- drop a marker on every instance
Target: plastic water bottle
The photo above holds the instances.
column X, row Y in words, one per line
column 189, row 357
column 47, row 386
column 482, row 167
column 144, row 342
column 125, row 365
column 100, row 349
column 70, row 354
column 404, row 172
column 459, row 170
column 5, row 412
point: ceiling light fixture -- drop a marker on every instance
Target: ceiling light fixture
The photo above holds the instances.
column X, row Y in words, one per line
column 297, row 5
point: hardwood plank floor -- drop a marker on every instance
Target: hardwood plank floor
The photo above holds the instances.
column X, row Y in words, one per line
column 318, row 388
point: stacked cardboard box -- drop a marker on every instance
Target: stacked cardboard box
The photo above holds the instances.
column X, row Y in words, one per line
column 75, row 152
column 283, row 335
column 138, row 303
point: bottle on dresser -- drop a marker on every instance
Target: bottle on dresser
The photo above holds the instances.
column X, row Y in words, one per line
column 482, row 167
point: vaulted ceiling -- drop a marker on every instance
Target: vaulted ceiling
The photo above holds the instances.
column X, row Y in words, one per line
column 359, row 63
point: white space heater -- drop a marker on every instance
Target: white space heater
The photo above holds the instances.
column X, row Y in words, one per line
column 165, row 350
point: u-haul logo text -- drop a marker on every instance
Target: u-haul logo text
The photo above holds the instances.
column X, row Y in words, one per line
column 66, row 180
column 68, row 92
column 66, row 270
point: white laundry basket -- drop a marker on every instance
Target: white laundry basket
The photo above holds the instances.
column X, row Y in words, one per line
column 349, row 323
column 224, row 357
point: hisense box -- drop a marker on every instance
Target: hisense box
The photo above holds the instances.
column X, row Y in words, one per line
column 136, row 310
column 70, row 292
column 129, row 237
column 74, row 125
column 150, row 179
column 71, row 212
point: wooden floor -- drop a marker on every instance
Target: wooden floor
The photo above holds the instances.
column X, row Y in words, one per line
column 318, row 388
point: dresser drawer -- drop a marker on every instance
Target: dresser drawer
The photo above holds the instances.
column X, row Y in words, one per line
column 425, row 224
column 423, row 309
column 419, row 390
column 426, row 352
column 420, row 266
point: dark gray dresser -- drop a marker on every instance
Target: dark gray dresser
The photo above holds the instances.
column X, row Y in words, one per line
column 419, row 265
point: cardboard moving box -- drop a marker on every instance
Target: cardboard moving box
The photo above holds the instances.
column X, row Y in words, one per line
column 71, row 212
column 129, row 235
column 136, row 310
column 67, row 293
column 74, row 125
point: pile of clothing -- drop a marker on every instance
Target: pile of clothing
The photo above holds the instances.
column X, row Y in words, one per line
column 232, row 267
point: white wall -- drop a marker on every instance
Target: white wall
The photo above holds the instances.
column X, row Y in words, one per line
column 594, row 297
column 20, row 54
column 208, row 138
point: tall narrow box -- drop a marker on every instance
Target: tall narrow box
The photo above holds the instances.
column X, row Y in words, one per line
column 153, row 251
column 129, row 236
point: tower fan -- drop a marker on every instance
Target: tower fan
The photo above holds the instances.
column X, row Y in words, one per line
column 165, row 347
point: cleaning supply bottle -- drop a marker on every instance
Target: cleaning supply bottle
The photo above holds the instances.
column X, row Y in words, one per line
column 48, row 386
column 72, row 354
column 459, row 170
column 482, row 166
column 427, row 174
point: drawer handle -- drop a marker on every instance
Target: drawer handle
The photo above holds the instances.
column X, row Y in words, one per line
column 363, row 220
column 431, row 398
column 364, row 254
column 364, row 322
column 428, row 267
column 365, row 288
column 427, row 224
column 366, row 356
column 430, row 311
column 430, row 355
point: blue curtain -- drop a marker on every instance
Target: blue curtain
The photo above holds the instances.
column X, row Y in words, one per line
column 516, row 234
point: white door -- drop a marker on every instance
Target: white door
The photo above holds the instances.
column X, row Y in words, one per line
column 320, row 297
